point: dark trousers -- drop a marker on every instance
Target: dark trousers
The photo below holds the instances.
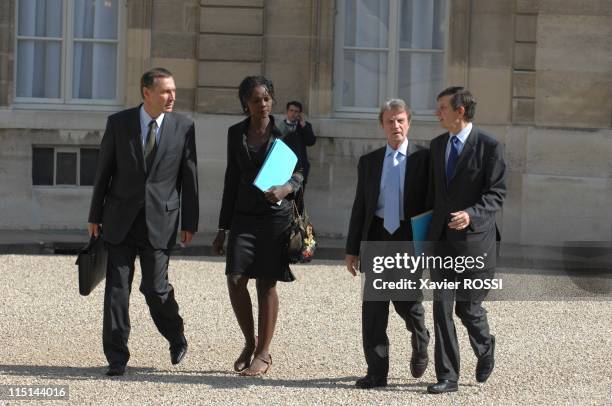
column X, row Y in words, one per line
column 375, row 315
column 468, row 307
column 158, row 292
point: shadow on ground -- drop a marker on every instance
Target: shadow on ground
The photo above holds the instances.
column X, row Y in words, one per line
column 214, row 379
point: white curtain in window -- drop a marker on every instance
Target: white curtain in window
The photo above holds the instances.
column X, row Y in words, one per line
column 39, row 60
column 421, row 64
column 95, row 63
column 420, row 74
column 80, row 71
column 365, row 71
column 415, row 47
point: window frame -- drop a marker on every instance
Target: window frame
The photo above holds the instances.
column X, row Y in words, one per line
column 393, row 51
column 66, row 101
column 73, row 149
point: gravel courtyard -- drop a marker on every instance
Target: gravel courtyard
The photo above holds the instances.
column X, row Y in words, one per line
column 547, row 352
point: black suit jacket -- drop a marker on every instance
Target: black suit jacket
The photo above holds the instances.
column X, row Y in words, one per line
column 240, row 195
column 123, row 186
column 302, row 137
column 369, row 172
column 478, row 187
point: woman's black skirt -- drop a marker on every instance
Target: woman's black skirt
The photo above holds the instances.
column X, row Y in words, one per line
column 257, row 247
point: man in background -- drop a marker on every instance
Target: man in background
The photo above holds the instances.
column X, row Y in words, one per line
column 296, row 129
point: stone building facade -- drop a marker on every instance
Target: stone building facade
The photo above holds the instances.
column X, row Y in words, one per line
column 541, row 71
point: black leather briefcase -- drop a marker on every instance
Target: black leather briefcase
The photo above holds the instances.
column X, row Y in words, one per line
column 91, row 261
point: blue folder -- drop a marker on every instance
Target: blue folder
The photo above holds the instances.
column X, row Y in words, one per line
column 420, row 227
column 277, row 168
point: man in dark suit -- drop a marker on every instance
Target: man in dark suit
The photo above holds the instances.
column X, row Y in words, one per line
column 296, row 130
column 294, row 126
column 391, row 188
column 147, row 174
column 467, row 188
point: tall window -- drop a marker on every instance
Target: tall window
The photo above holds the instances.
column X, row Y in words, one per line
column 68, row 51
column 389, row 48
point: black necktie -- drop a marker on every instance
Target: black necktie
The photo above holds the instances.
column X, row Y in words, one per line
column 150, row 144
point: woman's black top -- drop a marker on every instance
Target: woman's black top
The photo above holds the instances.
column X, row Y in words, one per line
column 240, row 195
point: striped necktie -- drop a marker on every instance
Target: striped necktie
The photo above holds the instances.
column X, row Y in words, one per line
column 150, row 144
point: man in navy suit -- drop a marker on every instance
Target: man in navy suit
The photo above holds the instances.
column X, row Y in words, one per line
column 147, row 174
column 391, row 188
column 467, row 188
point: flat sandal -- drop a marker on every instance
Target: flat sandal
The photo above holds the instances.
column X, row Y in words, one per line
column 268, row 363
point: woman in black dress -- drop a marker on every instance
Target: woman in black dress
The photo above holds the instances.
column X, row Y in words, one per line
column 258, row 225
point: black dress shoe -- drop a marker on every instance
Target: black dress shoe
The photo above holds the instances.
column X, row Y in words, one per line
column 485, row 365
column 369, row 382
column 443, row 386
column 177, row 353
column 418, row 364
column 115, row 370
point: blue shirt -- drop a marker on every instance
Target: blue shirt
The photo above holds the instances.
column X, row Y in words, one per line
column 462, row 136
column 145, row 119
column 387, row 165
